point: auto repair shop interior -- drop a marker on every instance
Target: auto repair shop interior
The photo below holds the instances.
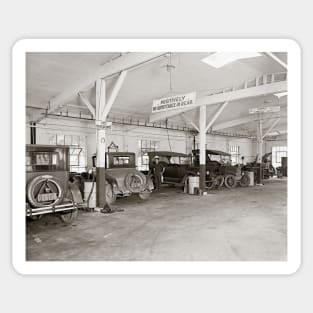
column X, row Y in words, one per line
column 113, row 173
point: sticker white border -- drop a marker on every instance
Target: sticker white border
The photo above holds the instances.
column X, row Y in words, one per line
column 155, row 45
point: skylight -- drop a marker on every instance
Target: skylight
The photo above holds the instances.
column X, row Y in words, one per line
column 220, row 59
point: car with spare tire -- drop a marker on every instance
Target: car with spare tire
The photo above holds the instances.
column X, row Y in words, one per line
column 122, row 177
column 48, row 188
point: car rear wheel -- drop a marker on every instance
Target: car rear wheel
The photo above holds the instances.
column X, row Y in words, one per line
column 110, row 196
column 145, row 195
column 67, row 218
column 244, row 181
column 230, row 181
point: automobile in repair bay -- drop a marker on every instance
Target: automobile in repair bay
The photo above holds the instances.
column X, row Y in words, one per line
column 48, row 189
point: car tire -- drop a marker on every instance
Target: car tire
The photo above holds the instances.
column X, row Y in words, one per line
column 244, row 181
column 145, row 195
column 219, row 179
column 67, row 218
column 230, row 181
column 110, row 196
column 31, row 188
column 211, row 184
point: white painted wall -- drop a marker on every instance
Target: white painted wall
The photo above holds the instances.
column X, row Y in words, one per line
column 127, row 137
column 267, row 145
column 247, row 147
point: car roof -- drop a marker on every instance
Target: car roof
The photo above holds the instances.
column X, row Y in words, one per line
column 213, row 152
column 37, row 147
column 166, row 153
column 120, row 153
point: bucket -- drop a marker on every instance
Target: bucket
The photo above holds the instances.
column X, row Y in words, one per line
column 193, row 184
column 251, row 176
column 87, row 188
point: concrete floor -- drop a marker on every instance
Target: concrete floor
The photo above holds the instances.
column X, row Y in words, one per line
column 242, row 224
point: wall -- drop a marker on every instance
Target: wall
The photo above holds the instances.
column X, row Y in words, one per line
column 127, row 137
column 247, row 147
column 267, row 145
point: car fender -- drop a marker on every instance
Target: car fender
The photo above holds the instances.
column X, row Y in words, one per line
column 113, row 182
column 75, row 193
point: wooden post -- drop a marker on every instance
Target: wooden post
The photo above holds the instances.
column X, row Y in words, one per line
column 260, row 150
column 101, row 146
column 202, row 140
column 33, row 133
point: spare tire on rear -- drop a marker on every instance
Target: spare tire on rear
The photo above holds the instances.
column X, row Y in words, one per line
column 135, row 182
column 42, row 186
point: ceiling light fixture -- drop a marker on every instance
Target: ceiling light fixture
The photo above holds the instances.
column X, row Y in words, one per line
column 220, row 59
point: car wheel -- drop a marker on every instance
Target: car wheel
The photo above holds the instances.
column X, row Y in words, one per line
column 43, row 186
column 145, row 195
column 230, row 181
column 219, row 181
column 67, row 218
column 244, row 181
column 110, row 196
column 210, row 184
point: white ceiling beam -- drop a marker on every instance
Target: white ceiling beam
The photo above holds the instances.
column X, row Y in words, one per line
column 114, row 93
column 277, row 133
column 90, row 107
column 188, row 120
column 216, row 115
column 125, row 62
column 100, row 100
column 271, row 128
column 235, row 122
column 260, row 90
column 276, row 59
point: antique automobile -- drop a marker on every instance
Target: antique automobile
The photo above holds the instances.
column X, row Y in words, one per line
column 218, row 163
column 268, row 169
column 122, row 177
column 48, row 189
column 177, row 168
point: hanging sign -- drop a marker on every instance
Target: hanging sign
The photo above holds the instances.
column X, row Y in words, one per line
column 174, row 102
column 273, row 109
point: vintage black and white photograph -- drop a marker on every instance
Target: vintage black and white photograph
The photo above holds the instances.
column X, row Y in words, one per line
column 156, row 156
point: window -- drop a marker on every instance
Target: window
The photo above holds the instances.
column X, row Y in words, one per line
column 277, row 154
column 121, row 160
column 234, row 152
column 77, row 144
column 146, row 146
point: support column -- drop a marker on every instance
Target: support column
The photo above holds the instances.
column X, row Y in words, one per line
column 33, row 135
column 202, row 141
column 260, row 150
column 101, row 146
